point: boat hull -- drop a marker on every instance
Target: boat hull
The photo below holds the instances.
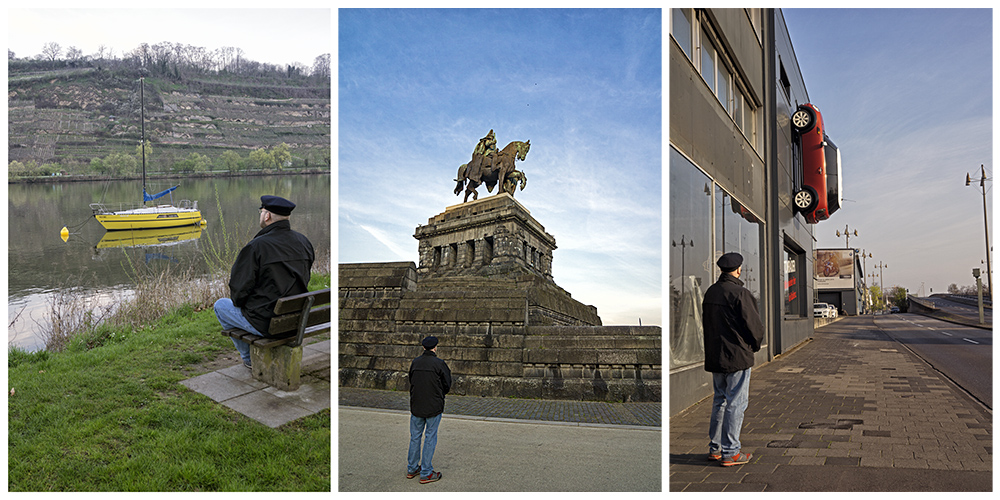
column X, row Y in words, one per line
column 150, row 218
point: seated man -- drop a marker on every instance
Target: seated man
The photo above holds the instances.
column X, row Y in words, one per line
column 275, row 264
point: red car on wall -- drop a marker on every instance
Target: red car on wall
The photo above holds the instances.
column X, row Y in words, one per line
column 818, row 197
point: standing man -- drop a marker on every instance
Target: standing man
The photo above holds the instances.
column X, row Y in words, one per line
column 430, row 380
column 733, row 333
column 275, row 264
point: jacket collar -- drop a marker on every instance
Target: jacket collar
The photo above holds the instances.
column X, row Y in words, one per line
column 275, row 226
column 730, row 278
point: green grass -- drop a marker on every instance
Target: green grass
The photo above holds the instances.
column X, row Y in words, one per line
column 112, row 416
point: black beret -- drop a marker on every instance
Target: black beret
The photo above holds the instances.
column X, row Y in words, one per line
column 429, row 342
column 730, row 262
column 276, row 205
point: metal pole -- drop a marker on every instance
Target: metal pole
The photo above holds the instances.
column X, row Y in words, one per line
column 989, row 270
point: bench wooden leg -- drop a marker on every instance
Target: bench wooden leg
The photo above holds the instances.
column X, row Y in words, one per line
column 277, row 366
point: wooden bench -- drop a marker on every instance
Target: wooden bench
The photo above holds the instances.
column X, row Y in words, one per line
column 278, row 361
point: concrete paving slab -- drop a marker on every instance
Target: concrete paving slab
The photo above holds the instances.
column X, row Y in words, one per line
column 235, row 388
column 218, row 386
column 267, row 408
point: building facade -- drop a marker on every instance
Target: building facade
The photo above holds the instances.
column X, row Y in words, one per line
column 840, row 280
column 734, row 166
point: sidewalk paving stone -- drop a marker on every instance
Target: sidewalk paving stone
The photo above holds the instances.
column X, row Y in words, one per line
column 851, row 410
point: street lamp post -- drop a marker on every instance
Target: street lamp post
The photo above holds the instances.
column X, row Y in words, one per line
column 881, row 283
column 982, row 185
column 847, row 235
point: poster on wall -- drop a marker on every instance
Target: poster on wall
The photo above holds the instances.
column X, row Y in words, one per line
column 834, row 269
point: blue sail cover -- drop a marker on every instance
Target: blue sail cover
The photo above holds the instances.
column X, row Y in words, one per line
column 148, row 197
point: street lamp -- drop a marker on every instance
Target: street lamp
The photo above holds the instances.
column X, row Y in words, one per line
column 982, row 185
column 881, row 283
column 847, row 234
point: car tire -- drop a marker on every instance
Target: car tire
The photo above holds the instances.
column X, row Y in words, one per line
column 803, row 119
column 805, row 199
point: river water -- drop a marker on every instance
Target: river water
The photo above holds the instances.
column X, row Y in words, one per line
column 97, row 265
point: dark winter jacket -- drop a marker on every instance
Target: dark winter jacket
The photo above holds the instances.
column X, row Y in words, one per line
column 430, row 380
column 732, row 326
column 273, row 265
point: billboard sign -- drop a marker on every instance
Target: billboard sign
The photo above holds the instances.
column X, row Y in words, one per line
column 834, row 269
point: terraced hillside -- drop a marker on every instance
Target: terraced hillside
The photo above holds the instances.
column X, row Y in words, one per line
column 69, row 117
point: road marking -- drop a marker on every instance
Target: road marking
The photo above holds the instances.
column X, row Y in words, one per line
column 970, row 341
column 948, row 334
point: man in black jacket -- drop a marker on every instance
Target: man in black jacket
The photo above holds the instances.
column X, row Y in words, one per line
column 430, row 380
column 275, row 264
column 733, row 333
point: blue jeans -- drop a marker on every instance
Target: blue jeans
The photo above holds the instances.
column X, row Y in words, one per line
column 732, row 392
column 428, row 429
column 230, row 316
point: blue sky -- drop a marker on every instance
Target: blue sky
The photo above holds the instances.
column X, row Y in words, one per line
column 419, row 88
column 907, row 96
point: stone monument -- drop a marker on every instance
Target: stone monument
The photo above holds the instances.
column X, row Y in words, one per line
column 484, row 287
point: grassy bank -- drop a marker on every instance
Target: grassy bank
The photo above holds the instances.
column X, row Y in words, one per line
column 113, row 416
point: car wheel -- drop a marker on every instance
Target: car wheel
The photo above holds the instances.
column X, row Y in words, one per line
column 805, row 199
column 802, row 119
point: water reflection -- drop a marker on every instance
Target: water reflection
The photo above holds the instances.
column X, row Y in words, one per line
column 93, row 261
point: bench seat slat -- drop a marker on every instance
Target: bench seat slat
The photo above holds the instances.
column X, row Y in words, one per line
column 293, row 303
column 290, row 322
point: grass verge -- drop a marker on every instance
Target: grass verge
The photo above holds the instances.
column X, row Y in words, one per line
column 113, row 416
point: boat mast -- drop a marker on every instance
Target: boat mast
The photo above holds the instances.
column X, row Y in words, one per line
column 142, row 145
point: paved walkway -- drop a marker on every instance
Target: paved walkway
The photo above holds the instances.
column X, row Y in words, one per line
column 235, row 388
column 851, row 410
column 502, row 444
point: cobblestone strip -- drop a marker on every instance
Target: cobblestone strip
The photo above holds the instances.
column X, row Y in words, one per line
column 589, row 412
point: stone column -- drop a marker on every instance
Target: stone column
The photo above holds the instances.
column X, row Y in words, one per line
column 463, row 257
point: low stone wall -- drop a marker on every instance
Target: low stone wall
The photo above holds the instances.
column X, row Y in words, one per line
column 488, row 338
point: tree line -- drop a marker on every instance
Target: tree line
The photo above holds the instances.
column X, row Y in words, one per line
column 168, row 59
column 120, row 164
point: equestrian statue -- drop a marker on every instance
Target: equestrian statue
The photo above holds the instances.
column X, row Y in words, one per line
column 492, row 167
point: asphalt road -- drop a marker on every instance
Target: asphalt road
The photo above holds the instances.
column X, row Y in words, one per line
column 964, row 354
column 968, row 310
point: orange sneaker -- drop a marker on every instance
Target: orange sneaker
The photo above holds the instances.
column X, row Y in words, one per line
column 737, row 459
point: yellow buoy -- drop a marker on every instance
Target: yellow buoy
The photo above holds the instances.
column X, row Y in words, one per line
column 64, row 234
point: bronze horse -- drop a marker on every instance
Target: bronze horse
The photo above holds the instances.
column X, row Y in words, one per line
column 492, row 169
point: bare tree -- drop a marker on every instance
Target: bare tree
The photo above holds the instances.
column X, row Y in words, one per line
column 321, row 66
column 73, row 53
column 51, row 50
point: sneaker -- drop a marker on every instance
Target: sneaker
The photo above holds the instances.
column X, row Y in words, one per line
column 715, row 455
column 431, row 478
column 737, row 459
column 411, row 475
column 247, row 364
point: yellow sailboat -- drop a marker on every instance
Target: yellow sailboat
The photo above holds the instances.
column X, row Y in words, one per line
column 142, row 216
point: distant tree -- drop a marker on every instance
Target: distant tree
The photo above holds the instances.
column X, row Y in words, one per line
column 149, row 152
column 16, row 169
column 102, row 51
column 231, row 161
column 321, row 66
column 897, row 297
column 120, row 164
column 73, row 53
column 953, row 289
column 51, row 51
column 260, row 159
column 10, row 55
column 282, row 157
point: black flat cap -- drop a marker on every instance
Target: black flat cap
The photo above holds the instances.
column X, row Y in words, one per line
column 429, row 342
column 276, row 205
column 730, row 262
